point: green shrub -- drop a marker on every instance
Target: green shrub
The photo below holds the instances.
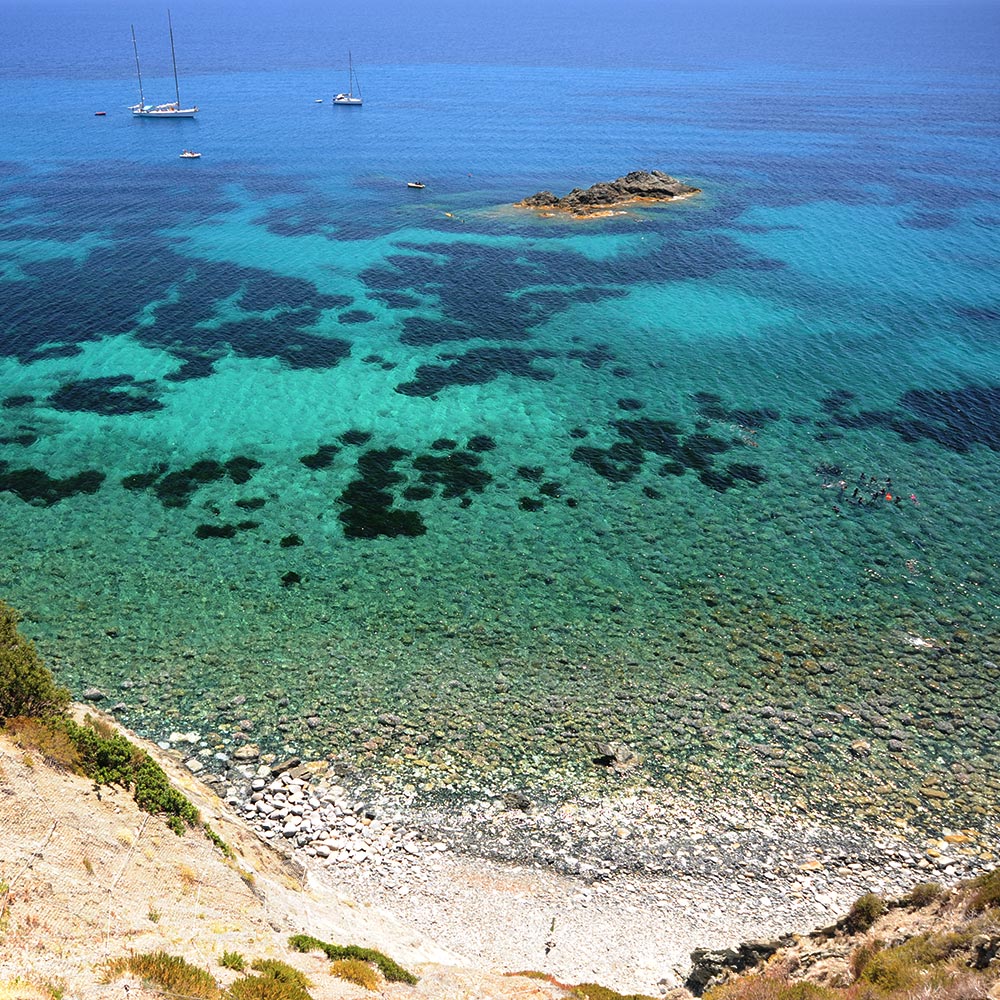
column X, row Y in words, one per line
column 27, row 686
column 168, row 972
column 864, row 912
column 919, row 961
column 353, row 970
column 257, row 988
column 985, row 891
column 233, row 960
column 33, row 707
column 281, row 972
column 276, row 981
column 154, row 794
column 393, row 972
column 227, row 851
column 109, row 758
column 923, row 895
column 594, row 991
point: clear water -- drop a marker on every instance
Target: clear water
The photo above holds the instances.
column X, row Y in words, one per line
column 540, row 482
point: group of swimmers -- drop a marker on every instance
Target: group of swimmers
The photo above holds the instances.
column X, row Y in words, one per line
column 869, row 490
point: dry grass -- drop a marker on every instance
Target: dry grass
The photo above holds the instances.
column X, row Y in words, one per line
column 986, row 891
column 22, row 989
column 168, row 972
column 51, row 743
column 353, row 970
column 188, row 877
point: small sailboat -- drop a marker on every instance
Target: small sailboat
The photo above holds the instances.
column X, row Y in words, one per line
column 350, row 99
column 172, row 110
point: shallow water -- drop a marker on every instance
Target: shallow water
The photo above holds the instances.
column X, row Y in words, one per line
column 471, row 490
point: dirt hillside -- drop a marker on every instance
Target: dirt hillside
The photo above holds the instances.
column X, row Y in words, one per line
column 86, row 877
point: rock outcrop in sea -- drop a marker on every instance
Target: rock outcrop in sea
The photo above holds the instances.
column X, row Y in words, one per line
column 639, row 185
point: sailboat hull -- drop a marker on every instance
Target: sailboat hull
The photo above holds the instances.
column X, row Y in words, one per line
column 164, row 112
column 347, row 100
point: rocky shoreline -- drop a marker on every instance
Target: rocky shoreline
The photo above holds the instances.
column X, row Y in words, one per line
column 621, row 867
column 621, row 887
column 603, row 197
column 599, row 839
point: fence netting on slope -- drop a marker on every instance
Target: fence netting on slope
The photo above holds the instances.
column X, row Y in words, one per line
column 82, row 871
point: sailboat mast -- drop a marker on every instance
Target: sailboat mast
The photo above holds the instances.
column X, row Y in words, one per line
column 173, row 56
column 351, row 78
column 135, row 49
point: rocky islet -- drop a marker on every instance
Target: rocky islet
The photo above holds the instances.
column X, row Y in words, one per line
column 637, row 186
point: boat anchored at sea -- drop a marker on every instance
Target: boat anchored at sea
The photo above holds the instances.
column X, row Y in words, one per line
column 350, row 99
column 171, row 110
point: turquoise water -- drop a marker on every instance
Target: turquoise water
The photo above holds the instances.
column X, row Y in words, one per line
column 275, row 426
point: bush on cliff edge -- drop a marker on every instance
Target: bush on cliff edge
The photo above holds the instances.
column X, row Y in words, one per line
column 33, row 711
column 27, row 687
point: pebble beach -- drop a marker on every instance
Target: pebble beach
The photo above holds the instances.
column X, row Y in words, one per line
column 618, row 890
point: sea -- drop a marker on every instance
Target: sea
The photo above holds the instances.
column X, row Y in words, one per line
column 698, row 496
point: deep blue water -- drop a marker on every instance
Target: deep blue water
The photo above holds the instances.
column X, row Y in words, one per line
column 704, row 477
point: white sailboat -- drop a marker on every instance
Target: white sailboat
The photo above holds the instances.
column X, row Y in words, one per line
column 172, row 110
column 350, row 99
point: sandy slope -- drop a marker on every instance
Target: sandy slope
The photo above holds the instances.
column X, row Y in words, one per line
column 91, row 877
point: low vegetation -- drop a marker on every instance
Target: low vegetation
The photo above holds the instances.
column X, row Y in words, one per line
column 864, row 912
column 584, row 991
column 20, row 988
column 986, row 892
column 353, row 970
column 958, row 958
column 765, row 988
column 272, row 979
column 33, row 713
column 233, row 960
column 594, row 991
column 393, row 973
column 923, row 895
column 275, row 980
column 26, row 685
column 167, row 972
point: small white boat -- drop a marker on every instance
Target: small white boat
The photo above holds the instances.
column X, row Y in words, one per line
column 416, row 184
column 190, row 154
column 171, row 110
column 350, row 99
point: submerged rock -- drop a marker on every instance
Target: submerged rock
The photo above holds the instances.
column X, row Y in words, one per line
column 639, row 185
